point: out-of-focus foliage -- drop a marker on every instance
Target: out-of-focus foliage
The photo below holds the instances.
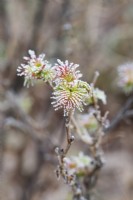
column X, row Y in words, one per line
column 125, row 77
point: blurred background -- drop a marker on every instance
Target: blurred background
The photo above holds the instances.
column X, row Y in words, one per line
column 98, row 35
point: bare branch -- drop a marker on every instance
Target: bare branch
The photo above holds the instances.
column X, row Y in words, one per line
column 122, row 114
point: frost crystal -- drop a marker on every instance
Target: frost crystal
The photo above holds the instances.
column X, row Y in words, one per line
column 35, row 68
column 69, row 91
column 69, row 96
column 66, row 71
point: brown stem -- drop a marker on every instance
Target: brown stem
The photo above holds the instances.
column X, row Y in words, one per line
column 96, row 75
column 68, row 132
column 62, row 152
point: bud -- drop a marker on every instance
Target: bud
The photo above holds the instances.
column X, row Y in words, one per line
column 72, row 138
column 125, row 77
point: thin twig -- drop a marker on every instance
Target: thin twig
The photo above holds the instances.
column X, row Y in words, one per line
column 122, row 114
column 96, row 75
column 68, row 132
